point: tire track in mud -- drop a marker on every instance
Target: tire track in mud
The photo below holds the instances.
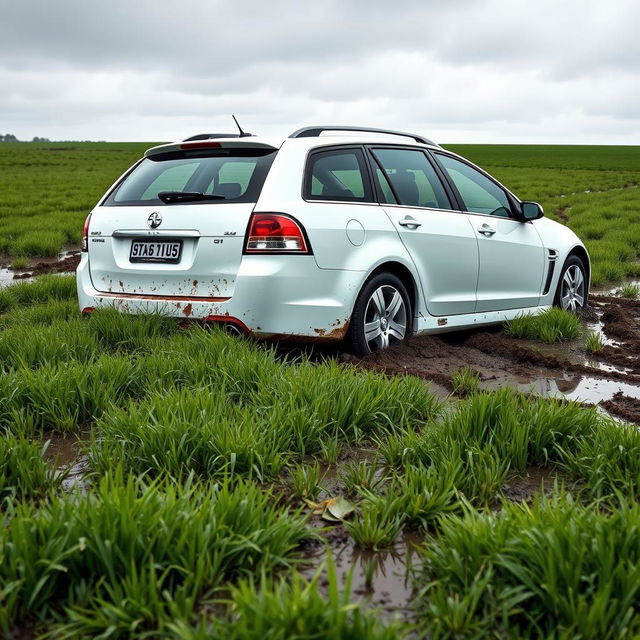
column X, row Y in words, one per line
column 501, row 360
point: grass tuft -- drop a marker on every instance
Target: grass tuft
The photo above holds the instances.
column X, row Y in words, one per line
column 294, row 608
column 306, row 481
column 629, row 291
column 552, row 325
column 128, row 557
column 465, row 381
column 532, row 571
column 23, row 472
column 593, row 342
column 379, row 522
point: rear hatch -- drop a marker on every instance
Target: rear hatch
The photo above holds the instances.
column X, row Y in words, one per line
column 188, row 240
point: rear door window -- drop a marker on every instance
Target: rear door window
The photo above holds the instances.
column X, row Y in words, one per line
column 338, row 174
column 233, row 174
column 411, row 177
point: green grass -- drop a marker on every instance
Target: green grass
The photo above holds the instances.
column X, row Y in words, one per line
column 297, row 608
column 469, row 454
column 20, row 262
column 44, row 289
column 47, row 190
column 593, row 342
column 556, row 569
column 306, row 481
column 363, row 474
column 127, row 558
column 552, row 325
column 465, row 381
column 378, row 523
column 202, row 448
column 23, row 472
column 629, row 291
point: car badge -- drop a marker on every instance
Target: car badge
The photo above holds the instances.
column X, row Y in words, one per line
column 154, row 220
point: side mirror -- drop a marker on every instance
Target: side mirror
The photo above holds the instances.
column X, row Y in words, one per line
column 531, row 211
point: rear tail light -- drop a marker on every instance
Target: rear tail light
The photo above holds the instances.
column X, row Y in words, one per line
column 85, row 235
column 275, row 233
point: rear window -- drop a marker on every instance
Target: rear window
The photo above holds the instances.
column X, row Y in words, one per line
column 236, row 175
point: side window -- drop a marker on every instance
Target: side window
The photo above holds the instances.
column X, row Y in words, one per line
column 337, row 175
column 412, row 178
column 478, row 193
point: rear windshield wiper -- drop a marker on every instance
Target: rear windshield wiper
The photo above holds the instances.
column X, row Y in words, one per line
column 170, row 197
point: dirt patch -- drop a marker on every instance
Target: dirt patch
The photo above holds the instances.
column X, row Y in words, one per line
column 434, row 358
column 66, row 264
column 535, row 481
column 555, row 370
column 624, row 407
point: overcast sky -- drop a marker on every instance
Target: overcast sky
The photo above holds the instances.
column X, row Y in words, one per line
column 554, row 71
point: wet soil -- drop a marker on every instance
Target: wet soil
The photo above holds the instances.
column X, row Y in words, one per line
column 535, row 481
column 383, row 580
column 67, row 263
column 610, row 377
column 623, row 407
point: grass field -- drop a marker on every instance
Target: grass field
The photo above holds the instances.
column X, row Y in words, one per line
column 46, row 191
column 215, row 471
column 205, row 456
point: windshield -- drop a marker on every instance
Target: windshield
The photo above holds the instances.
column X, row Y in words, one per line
column 221, row 175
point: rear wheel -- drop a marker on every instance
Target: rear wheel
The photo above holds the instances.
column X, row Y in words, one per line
column 381, row 316
column 571, row 294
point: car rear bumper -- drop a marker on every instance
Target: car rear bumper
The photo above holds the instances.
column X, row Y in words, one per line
column 276, row 296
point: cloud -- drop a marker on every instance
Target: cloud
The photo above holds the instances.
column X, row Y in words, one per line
column 486, row 70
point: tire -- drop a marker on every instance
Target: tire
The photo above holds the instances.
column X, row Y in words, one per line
column 382, row 315
column 571, row 293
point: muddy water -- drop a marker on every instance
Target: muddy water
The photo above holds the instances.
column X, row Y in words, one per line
column 610, row 378
column 66, row 453
column 64, row 263
column 381, row 580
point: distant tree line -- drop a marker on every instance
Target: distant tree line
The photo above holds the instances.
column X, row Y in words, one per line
column 9, row 137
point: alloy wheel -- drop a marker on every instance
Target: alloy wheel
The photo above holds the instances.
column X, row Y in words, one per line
column 572, row 293
column 385, row 318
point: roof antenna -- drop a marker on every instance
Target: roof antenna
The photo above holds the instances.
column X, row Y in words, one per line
column 242, row 133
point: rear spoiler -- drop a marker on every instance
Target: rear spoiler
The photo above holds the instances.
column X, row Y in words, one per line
column 231, row 143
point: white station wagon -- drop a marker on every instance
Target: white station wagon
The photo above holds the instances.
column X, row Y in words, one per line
column 331, row 233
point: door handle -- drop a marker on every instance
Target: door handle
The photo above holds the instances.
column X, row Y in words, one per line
column 486, row 230
column 409, row 222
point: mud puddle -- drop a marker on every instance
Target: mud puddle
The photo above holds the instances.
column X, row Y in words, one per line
column 381, row 580
column 65, row 262
column 610, row 377
column 67, row 454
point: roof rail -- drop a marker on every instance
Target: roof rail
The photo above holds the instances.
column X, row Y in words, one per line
column 312, row 132
column 210, row 136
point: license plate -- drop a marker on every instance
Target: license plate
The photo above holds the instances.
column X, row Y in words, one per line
column 155, row 251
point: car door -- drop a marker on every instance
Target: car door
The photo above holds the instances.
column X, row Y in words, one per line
column 511, row 252
column 440, row 239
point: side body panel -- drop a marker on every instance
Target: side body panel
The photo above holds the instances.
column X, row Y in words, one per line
column 445, row 251
column 512, row 263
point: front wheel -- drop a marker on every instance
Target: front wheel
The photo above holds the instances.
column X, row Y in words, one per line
column 571, row 294
column 381, row 316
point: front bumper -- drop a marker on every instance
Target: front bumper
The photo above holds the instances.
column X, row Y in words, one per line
column 279, row 296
